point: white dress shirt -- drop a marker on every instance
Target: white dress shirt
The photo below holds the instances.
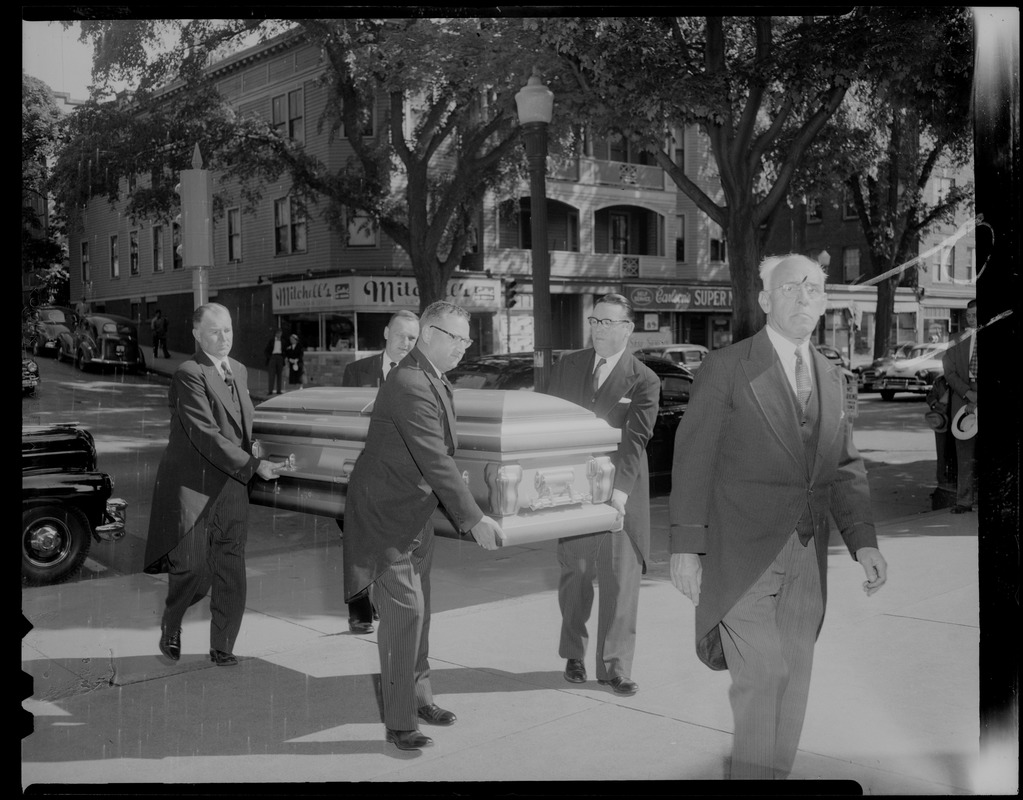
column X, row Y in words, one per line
column 608, row 365
column 786, row 351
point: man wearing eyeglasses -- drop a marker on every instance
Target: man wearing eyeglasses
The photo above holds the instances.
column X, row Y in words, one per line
column 618, row 388
column 763, row 455
column 406, row 468
column 399, row 338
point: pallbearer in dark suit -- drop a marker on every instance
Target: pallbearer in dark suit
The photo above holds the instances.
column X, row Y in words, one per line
column 960, row 365
column 406, row 468
column 618, row 388
column 399, row 338
column 199, row 517
column 762, row 456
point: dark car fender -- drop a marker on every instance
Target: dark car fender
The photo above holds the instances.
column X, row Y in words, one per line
column 87, row 491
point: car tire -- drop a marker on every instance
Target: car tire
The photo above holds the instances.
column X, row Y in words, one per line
column 887, row 394
column 55, row 542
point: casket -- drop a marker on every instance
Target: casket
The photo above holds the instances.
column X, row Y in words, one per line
column 539, row 465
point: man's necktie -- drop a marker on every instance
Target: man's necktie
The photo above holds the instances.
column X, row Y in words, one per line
column 596, row 374
column 973, row 359
column 803, row 385
column 228, row 378
column 393, row 364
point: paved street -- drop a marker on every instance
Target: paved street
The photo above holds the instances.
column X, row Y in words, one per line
column 893, row 703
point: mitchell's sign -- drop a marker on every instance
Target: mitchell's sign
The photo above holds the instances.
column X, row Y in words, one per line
column 367, row 293
column 680, row 298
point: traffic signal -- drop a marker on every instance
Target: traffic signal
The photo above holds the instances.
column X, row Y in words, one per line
column 509, row 294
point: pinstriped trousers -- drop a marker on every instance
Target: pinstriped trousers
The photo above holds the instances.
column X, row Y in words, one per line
column 768, row 638
column 211, row 558
column 402, row 597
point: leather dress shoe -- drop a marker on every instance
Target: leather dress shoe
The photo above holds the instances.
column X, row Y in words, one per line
column 359, row 626
column 621, row 685
column 408, row 740
column 957, row 509
column 222, row 659
column 170, row 643
column 436, row 715
column 575, row 671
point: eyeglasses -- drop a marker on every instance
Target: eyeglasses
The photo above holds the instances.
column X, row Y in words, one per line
column 460, row 339
column 813, row 291
column 606, row 323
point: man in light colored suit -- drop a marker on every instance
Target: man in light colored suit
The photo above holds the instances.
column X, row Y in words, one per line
column 618, row 388
column 960, row 366
column 199, row 518
column 762, row 456
column 406, row 468
column 399, row 338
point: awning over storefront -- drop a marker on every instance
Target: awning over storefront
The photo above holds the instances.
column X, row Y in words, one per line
column 381, row 294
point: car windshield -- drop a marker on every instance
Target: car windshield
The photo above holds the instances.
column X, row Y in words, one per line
column 675, row 388
column 53, row 315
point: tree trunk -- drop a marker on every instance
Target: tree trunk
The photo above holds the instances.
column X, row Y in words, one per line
column 743, row 261
column 883, row 315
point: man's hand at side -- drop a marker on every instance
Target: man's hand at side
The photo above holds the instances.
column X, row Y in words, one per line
column 488, row 533
column 687, row 575
column 875, row 567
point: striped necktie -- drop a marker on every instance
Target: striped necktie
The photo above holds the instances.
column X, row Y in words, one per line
column 596, row 374
column 803, row 384
column 228, row 377
column 973, row 359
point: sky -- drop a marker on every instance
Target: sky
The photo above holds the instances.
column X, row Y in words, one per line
column 56, row 57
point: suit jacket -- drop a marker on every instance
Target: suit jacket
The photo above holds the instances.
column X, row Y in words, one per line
column 406, row 468
column 741, row 479
column 956, row 364
column 208, row 457
column 367, row 371
column 627, row 400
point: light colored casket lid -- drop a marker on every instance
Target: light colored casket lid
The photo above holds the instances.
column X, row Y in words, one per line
column 489, row 420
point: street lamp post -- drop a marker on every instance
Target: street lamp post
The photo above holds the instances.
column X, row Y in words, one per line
column 535, row 108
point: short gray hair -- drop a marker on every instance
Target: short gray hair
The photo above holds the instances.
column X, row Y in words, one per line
column 200, row 312
column 439, row 310
column 768, row 265
column 403, row 314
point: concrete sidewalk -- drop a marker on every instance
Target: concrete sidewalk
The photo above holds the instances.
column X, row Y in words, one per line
column 893, row 704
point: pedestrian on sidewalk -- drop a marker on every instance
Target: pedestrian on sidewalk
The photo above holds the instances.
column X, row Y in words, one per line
column 159, row 326
column 199, row 519
column 293, row 354
column 960, row 366
column 274, row 352
column 399, row 338
column 618, row 388
column 406, row 468
column 762, row 456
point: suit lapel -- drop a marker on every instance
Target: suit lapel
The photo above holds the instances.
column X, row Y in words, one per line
column 614, row 387
column 220, row 388
column 830, row 387
column 771, row 389
column 443, row 391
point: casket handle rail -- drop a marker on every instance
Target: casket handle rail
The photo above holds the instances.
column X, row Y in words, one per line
column 554, row 488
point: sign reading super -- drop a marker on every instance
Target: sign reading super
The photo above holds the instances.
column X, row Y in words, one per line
column 681, row 298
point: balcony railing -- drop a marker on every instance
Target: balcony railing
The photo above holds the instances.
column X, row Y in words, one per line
column 607, row 173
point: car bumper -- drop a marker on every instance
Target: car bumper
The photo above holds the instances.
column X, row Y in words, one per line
column 903, row 385
column 113, row 527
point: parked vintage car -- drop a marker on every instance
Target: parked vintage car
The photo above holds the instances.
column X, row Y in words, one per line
column 65, row 502
column 104, row 340
column 869, row 376
column 689, row 356
column 538, row 464
column 44, row 327
column 916, row 372
column 29, row 376
column 515, row 371
column 833, row 354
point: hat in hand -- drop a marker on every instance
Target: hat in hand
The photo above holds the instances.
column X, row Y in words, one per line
column 936, row 420
column 964, row 423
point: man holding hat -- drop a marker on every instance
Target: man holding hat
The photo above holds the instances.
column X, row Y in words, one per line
column 960, row 364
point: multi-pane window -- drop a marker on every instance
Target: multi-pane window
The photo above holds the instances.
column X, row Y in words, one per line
column 850, row 264
column 157, row 248
column 680, row 239
column 176, row 247
column 86, row 272
column 813, row 211
column 289, row 227
column 718, row 243
column 848, row 205
column 288, row 114
column 133, row 252
column 946, row 272
column 234, row 234
column 115, row 261
column 361, row 230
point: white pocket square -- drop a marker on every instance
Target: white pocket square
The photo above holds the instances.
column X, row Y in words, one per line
column 625, row 400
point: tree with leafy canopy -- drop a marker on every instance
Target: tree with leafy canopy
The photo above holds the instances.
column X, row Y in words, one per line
column 42, row 254
column 884, row 144
column 448, row 131
column 760, row 88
